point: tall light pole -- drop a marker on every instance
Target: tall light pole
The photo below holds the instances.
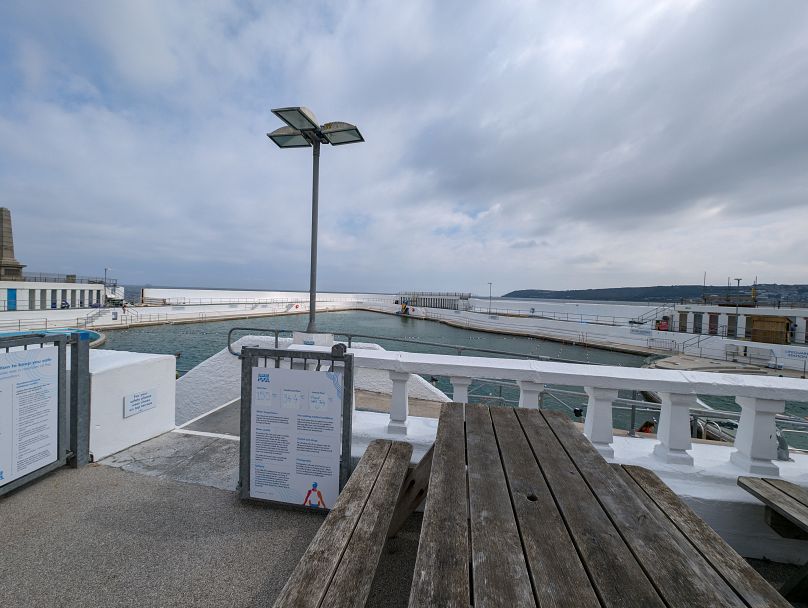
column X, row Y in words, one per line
column 302, row 132
column 489, row 297
column 105, row 285
column 737, row 298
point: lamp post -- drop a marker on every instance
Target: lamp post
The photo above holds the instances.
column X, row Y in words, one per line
column 489, row 298
column 302, row 132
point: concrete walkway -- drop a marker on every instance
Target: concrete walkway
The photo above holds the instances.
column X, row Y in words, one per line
column 104, row 537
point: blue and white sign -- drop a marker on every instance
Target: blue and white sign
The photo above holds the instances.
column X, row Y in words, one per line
column 29, row 411
column 296, row 436
column 139, row 402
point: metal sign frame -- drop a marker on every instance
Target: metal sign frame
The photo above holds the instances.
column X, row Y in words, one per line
column 73, row 410
column 298, row 359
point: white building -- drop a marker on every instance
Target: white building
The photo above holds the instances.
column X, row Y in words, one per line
column 35, row 295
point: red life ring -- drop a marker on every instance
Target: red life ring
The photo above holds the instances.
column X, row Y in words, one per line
column 297, row 305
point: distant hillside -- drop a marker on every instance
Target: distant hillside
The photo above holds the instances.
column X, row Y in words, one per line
column 667, row 293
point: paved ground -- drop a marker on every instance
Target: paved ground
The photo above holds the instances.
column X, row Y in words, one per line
column 104, row 537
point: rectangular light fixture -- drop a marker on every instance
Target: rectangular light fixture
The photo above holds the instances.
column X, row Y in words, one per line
column 298, row 118
column 339, row 133
column 287, row 137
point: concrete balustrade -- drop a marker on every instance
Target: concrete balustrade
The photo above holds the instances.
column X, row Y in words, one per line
column 460, row 386
column 673, row 430
column 529, row 394
column 755, row 441
column 760, row 397
column 399, row 403
column 598, row 426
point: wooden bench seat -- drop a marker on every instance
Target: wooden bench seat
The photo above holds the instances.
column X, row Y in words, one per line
column 787, row 514
column 339, row 565
column 688, row 528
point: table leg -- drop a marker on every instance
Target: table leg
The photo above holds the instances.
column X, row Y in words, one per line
column 413, row 492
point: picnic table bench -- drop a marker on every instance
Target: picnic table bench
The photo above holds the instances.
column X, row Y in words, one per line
column 521, row 510
column 339, row 565
column 786, row 512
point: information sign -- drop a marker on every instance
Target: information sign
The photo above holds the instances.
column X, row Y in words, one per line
column 29, row 411
column 138, row 402
column 296, row 436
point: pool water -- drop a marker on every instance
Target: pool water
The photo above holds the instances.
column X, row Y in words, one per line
column 193, row 343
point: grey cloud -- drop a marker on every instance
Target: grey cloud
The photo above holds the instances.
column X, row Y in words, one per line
column 493, row 132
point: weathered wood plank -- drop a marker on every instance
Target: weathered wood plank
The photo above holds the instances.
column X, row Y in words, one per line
column 413, row 492
column 351, row 583
column 559, row 578
column 682, row 576
column 615, row 573
column 499, row 572
column 322, row 556
column 785, row 505
column 782, row 526
column 672, row 510
column 441, row 576
column 796, row 492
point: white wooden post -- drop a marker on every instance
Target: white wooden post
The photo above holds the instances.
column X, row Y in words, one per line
column 529, row 393
column 460, row 389
column 399, row 403
column 673, row 431
column 756, row 441
column 598, row 424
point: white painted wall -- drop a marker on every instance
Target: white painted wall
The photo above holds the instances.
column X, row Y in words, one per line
column 23, row 289
column 116, row 374
column 203, row 296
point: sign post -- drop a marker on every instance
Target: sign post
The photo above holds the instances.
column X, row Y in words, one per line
column 296, row 408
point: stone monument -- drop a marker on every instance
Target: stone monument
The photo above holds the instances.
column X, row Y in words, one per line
column 10, row 268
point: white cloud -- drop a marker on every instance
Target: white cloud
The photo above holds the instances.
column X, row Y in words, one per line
column 531, row 145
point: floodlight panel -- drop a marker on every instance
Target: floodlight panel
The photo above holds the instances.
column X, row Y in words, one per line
column 298, row 118
column 287, row 137
column 339, row 133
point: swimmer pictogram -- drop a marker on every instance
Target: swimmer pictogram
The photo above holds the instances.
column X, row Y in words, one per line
column 314, row 498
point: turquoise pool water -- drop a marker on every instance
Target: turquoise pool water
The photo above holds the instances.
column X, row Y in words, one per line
column 193, row 343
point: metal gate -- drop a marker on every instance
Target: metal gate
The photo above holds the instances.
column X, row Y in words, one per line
column 29, row 412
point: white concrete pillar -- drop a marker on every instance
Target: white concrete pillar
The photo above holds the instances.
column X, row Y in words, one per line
column 741, row 326
column 460, row 389
column 705, row 323
column 673, row 431
column 756, row 440
column 690, row 323
column 399, row 403
column 799, row 335
column 529, row 394
column 723, row 324
column 598, row 424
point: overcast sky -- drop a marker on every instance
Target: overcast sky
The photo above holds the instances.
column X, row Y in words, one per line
column 531, row 144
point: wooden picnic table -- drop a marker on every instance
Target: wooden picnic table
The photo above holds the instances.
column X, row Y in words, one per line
column 521, row 510
column 786, row 511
